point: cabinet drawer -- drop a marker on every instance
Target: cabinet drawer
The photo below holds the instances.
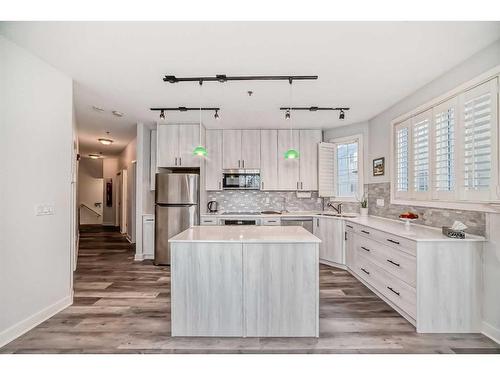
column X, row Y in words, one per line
column 209, row 221
column 397, row 291
column 394, row 261
column 403, row 244
column 271, row 221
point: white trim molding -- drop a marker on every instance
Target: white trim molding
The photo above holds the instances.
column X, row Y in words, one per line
column 491, row 332
column 32, row 321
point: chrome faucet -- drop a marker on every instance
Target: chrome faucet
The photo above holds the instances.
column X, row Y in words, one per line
column 338, row 208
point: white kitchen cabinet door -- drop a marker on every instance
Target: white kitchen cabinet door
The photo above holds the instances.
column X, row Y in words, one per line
column 168, row 146
column 288, row 169
column 250, row 149
column 148, row 237
column 231, row 149
column 308, row 161
column 331, row 233
column 269, row 160
column 189, row 138
column 350, row 248
column 213, row 161
column 152, row 158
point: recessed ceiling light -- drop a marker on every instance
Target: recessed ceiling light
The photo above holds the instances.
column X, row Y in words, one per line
column 118, row 113
column 105, row 141
column 98, row 109
column 94, row 156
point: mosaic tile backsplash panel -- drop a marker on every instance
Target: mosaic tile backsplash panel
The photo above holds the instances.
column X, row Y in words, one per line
column 434, row 217
column 254, row 200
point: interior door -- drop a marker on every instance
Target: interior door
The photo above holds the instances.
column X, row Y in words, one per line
column 231, row 149
column 168, row 146
column 250, row 149
column 213, row 161
column 189, row 138
column 269, row 160
column 288, row 169
column 308, row 161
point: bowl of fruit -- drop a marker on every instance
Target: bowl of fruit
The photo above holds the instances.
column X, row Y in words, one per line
column 408, row 217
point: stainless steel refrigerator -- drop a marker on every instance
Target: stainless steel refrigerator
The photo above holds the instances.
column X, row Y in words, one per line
column 176, row 209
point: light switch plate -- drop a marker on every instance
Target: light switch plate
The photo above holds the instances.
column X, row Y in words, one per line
column 380, row 202
column 44, row 209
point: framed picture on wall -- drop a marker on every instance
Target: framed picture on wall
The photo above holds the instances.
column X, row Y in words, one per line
column 379, row 166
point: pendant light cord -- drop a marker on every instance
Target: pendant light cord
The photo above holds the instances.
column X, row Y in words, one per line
column 201, row 84
column 290, row 112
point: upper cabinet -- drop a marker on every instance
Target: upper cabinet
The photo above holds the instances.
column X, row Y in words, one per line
column 241, row 149
column 213, row 161
column 308, row 160
column 175, row 144
column 301, row 173
column 288, row 169
column 269, row 160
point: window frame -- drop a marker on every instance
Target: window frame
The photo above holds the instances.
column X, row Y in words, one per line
column 459, row 199
column 361, row 172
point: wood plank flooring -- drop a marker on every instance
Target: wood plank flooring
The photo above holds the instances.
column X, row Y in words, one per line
column 122, row 306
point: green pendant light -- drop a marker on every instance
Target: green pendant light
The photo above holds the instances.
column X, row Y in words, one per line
column 200, row 150
column 291, row 153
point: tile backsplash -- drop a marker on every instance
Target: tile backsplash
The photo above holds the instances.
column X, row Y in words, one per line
column 434, row 217
column 255, row 200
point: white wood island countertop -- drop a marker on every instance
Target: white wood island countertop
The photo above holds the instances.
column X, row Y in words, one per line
column 246, row 234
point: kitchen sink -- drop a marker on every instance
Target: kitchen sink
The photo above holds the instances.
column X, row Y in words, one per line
column 339, row 215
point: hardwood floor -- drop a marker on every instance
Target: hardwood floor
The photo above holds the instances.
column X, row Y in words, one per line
column 122, row 306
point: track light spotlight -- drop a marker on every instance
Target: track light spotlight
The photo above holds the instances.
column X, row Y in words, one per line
column 216, row 116
column 162, row 114
column 341, row 114
column 287, row 114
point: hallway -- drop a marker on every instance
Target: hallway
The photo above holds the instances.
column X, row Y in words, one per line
column 122, row 306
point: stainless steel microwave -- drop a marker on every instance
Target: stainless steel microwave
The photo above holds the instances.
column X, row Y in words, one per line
column 245, row 179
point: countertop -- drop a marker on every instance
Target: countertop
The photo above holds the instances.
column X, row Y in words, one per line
column 245, row 234
column 416, row 232
column 285, row 214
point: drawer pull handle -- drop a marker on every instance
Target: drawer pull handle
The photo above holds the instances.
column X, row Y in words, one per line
column 365, row 271
column 392, row 290
column 365, row 249
column 348, row 226
column 365, row 232
column 392, row 241
column 396, row 264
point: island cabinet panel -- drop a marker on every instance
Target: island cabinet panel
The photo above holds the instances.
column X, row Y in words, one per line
column 280, row 287
column 207, row 298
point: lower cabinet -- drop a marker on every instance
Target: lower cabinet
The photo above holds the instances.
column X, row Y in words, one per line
column 434, row 284
column 331, row 233
column 148, row 236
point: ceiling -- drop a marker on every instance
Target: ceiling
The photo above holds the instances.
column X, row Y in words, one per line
column 367, row 66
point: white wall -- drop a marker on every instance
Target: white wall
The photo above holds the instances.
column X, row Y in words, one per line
column 127, row 160
column 36, row 141
column 109, row 171
column 90, row 190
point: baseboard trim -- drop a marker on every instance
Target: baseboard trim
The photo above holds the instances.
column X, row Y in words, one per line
column 32, row 321
column 333, row 264
column 139, row 257
column 491, row 332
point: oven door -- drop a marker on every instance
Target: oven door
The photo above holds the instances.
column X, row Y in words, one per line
column 238, row 222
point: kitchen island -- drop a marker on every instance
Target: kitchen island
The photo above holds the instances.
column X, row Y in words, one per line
column 245, row 281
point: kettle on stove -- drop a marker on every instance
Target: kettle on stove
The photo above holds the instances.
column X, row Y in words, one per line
column 212, row 207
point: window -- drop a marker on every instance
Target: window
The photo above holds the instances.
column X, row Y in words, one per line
column 449, row 151
column 340, row 168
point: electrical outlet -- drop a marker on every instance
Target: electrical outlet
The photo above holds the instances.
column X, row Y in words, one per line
column 380, row 202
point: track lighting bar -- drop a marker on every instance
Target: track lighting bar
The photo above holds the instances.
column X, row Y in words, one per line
column 224, row 78
column 313, row 109
column 185, row 109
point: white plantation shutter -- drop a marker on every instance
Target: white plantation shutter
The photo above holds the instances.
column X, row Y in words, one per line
column 479, row 135
column 444, row 129
column 421, row 134
column 326, row 169
column 402, row 165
